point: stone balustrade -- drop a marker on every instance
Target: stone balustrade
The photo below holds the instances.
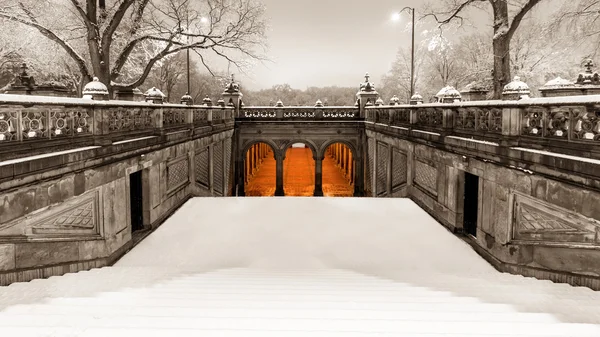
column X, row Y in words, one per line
column 556, row 122
column 33, row 119
column 299, row 113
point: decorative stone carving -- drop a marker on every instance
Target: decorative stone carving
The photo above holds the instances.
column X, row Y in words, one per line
column 399, row 170
column 218, row 174
column 416, row 99
column 33, row 123
column 536, row 220
column 155, row 96
column 187, row 99
column 95, row 90
column 516, row 90
column 382, row 163
column 319, row 104
column 177, row 174
column 425, row 176
column 394, row 100
column 587, row 124
column 201, row 167
column 478, row 119
column 367, row 86
column 121, row 119
column 173, row 117
column 200, row 116
column 207, row 101
column 370, row 168
column 279, row 104
column 432, row 117
column 448, row 94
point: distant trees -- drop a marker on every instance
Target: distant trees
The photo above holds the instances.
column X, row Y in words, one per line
column 331, row 96
column 504, row 28
column 120, row 41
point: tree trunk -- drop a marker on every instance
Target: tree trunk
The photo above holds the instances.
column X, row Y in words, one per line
column 501, row 46
column 501, row 64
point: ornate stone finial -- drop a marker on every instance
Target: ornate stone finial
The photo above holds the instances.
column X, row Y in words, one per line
column 379, row 102
column 589, row 65
column 394, row 100
column 155, row 96
column 207, row 101
column 95, row 90
column 221, row 102
column 279, row 104
column 416, row 99
column 357, row 103
column 516, row 90
column 187, row 99
column 448, row 94
column 232, row 87
column 319, row 104
column 367, row 86
column 24, row 69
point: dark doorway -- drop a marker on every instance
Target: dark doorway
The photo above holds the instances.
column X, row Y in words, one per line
column 471, row 203
column 136, row 200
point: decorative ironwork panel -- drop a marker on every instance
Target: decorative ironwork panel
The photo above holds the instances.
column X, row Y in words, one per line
column 399, row 172
column 173, row 117
column 426, row 176
column 400, row 117
column 34, row 124
column 382, row 163
column 9, row 124
column 201, row 167
column 218, row 167
column 227, row 164
column 370, row 167
column 177, row 174
column 432, row 117
column 533, row 121
column 586, row 124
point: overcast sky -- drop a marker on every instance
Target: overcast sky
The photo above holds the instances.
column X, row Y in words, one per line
column 334, row 42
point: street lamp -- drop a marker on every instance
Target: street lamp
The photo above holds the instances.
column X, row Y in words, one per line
column 397, row 17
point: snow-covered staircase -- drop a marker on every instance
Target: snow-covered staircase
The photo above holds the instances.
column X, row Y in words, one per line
column 162, row 289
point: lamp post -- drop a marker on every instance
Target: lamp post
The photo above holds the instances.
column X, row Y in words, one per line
column 396, row 17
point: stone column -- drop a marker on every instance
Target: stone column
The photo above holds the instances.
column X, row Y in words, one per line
column 318, row 177
column 242, row 177
column 279, row 192
column 359, row 180
column 350, row 167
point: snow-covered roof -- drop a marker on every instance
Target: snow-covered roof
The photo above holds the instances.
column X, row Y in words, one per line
column 558, row 83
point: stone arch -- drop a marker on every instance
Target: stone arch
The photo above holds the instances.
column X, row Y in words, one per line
column 346, row 142
column 248, row 145
column 313, row 147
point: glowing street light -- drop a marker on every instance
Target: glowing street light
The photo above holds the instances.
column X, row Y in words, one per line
column 397, row 17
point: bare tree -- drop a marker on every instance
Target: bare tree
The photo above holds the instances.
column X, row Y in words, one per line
column 581, row 20
column 504, row 29
column 103, row 37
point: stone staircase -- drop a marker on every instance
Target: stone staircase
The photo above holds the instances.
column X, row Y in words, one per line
column 298, row 267
column 144, row 301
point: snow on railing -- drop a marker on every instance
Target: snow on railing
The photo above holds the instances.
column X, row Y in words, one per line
column 28, row 118
column 302, row 113
column 571, row 119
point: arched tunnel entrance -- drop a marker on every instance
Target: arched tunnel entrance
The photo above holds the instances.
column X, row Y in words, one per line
column 299, row 179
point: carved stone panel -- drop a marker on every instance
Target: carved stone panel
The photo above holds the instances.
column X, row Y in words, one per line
column 177, row 174
column 382, row 164
column 399, row 171
column 425, row 177
column 81, row 217
column 218, row 167
column 371, row 161
column 536, row 220
column 201, row 167
column 227, row 175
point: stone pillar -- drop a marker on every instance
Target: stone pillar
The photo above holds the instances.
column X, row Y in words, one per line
column 232, row 96
column 279, row 192
column 359, row 180
column 242, row 177
column 367, row 96
column 318, row 177
column 350, row 167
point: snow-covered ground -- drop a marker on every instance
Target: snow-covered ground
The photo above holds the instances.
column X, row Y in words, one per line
column 298, row 267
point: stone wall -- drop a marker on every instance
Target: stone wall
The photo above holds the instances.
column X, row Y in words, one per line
column 538, row 212
column 76, row 218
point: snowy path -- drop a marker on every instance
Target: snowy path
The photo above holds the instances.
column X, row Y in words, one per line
column 298, row 267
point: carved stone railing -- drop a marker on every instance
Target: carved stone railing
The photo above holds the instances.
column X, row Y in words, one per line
column 299, row 113
column 27, row 119
column 557, row 122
